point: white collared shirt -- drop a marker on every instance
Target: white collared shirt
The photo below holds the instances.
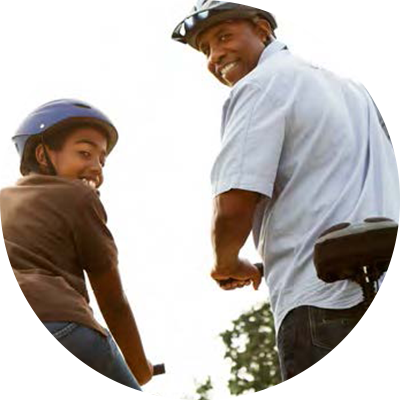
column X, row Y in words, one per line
column 313, row 144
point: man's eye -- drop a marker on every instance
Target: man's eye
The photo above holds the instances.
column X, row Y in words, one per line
column 224, row 38
column 205, row 51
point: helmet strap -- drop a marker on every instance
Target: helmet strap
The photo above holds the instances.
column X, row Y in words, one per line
column 50, row 166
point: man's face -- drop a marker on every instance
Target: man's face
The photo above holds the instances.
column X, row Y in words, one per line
column 82, row 156
column 232, row 48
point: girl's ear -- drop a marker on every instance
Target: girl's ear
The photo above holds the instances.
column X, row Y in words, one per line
column 40, row 156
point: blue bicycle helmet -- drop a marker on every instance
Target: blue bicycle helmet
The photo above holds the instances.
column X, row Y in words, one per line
column 62, row 111
column 207, row 13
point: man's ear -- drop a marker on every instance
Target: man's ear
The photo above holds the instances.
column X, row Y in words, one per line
column 40, row 156
column 263, row 29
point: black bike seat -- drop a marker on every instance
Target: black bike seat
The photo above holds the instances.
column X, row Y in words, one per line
column 345, row 249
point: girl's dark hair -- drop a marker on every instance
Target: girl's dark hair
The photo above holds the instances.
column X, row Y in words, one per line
column 54, row 138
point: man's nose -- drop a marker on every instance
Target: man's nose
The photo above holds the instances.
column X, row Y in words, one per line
column 216, row 54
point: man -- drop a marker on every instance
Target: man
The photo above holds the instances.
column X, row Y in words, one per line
column 302, row 150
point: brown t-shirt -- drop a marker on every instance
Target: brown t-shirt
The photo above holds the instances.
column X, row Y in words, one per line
column 54, row 229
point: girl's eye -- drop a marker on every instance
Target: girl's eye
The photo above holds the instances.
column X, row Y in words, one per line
column 85, row 154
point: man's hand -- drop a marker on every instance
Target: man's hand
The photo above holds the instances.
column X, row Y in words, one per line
column 231, row 284
column 238, row 275
column 233, row 214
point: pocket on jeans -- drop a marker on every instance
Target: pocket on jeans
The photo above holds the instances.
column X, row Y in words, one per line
column 49, row 345
column 329, row 327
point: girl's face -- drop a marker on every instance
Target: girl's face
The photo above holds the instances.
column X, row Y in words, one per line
column 82, row 156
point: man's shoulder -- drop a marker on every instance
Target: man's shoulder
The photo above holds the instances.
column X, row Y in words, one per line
column 285, row 77
column 275, row 72
column 270, row 81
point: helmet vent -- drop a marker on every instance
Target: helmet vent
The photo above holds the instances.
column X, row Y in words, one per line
column 82, row 105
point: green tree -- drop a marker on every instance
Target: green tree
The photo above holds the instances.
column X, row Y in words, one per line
column 250, row 346
column 251, row 349
column 203, row 390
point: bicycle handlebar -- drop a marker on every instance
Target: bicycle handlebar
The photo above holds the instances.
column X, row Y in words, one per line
column 158, row 369
column 260, row 267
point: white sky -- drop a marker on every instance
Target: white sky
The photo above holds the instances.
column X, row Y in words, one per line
column 118, row 56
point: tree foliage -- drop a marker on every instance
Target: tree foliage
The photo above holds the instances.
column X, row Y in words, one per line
column 251, row 350
column 250, row 346
column 203, row 390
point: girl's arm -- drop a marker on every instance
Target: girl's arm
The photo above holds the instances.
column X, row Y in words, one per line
column 97, row 254
column 118, row 315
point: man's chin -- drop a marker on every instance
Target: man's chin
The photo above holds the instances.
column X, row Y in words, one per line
column 224, row 81
column 231, row 79
column 229, row 83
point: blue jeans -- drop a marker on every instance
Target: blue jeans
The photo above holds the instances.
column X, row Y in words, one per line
column 103, row 372
column 329, row 355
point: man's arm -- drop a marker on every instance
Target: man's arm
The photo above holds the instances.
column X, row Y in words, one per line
column 232, row 221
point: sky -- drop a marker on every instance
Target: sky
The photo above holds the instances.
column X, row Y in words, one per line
column 119, row 57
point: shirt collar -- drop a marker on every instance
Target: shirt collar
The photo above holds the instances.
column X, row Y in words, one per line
column 271, row 49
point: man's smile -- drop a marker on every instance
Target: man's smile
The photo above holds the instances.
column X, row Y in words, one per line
column 227, row 68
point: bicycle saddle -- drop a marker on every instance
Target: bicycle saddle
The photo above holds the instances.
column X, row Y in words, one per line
column 54, row 382
column 344, row 249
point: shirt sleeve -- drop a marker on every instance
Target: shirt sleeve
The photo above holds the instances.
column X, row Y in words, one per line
column 387, row 105
column 95, row 244
column 253, row 130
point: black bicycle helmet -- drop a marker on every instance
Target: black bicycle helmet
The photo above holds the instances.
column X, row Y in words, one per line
column 209, row 12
